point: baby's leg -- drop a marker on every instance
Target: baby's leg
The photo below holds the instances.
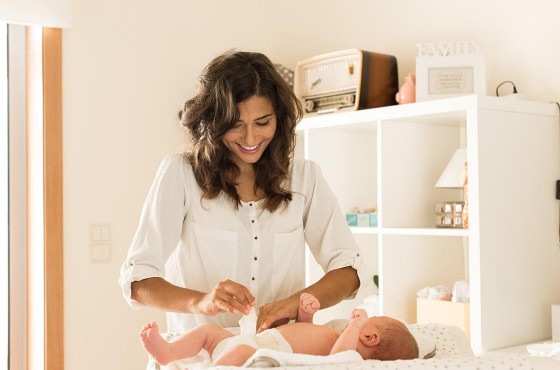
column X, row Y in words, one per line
column 308, row 305
column 187, row 345
column 236, row 356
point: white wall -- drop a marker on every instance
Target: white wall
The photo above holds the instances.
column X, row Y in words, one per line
column 129, row 65
column 519, row 37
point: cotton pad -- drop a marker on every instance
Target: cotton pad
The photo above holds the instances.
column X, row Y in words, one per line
column 248, row 323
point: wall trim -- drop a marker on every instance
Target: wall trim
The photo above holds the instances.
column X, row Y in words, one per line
column 54, row 261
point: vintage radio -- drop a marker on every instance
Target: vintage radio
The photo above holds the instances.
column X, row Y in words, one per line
column 346, row 80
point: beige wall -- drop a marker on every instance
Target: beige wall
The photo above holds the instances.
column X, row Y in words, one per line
column 129, row 65
column 519, row 37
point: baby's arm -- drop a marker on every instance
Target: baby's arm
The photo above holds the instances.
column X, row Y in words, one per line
column 308, row 305
column 348, row 339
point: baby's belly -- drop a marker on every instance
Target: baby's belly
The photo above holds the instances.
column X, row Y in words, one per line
column 309, row 338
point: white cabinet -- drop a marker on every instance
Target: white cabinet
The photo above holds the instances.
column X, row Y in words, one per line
column 391, row 158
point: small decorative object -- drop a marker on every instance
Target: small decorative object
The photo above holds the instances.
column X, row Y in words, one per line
column 407, row 93
column 460, row 292
column 362, row 217
column 453, row 214
column 449, row 214
column 445, row 69
column 439, row 292
column 465, row 183
column 346, row 80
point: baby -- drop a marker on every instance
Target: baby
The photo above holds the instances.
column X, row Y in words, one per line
column 381, row 338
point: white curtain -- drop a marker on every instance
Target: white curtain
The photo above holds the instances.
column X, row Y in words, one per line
column 46, row 13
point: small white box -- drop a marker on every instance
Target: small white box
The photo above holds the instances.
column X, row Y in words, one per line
column 556, row 322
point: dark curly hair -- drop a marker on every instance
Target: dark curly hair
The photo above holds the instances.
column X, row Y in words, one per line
column 229, row 79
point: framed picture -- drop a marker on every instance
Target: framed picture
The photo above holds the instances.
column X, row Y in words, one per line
column 449, row 69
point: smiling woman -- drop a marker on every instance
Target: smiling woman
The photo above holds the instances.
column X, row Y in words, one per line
column 225, row 225
column 248, row 139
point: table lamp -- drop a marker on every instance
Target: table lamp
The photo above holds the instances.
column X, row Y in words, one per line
column 450, row 213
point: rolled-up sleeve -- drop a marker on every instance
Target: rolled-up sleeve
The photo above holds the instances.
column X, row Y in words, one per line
column 160, row 227
column 326, row 233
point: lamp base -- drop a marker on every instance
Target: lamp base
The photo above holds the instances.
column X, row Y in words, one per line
column 449, row 214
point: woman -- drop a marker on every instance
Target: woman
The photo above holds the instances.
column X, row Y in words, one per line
column 224, row 225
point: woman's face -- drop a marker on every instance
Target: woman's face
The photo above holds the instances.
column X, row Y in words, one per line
column 248, row 139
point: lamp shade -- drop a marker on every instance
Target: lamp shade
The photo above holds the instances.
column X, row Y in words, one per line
column 451, row 175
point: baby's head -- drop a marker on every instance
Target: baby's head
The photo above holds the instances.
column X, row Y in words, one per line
column 387, row 339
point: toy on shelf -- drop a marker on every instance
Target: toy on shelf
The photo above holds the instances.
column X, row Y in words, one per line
column 465, row 182
column 366, row 217
column 407, row 93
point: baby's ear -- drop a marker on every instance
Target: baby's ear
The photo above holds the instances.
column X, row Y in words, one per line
column 370, row 338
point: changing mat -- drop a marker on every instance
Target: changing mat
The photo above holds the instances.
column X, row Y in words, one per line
column 504, row 362
column 448, row 341
column 268, row 357
column 453, row 352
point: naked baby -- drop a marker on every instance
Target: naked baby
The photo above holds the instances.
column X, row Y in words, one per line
column 381, row 338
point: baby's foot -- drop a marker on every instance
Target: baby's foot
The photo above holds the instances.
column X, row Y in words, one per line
column 308, row 305
column 154, row 343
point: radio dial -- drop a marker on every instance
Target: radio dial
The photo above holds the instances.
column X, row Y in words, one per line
column 348, row 99
column 309, row 105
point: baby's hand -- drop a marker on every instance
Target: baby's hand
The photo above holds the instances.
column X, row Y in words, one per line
column 308, row 303
column 359, row 317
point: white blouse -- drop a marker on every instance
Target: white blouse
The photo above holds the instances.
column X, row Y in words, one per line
column 196, row 243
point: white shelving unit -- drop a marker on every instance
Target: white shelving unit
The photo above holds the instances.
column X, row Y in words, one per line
column 391, row 158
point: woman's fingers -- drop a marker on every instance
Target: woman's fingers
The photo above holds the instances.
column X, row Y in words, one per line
column 227, row 296
column 277, row 313
column 239, row 292
column 238, row 298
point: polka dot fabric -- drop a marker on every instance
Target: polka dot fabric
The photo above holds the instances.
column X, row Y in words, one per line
column 502, row 362
column 449, row 356
column 445, row 345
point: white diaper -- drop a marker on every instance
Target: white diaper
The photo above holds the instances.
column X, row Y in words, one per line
column 270, row 339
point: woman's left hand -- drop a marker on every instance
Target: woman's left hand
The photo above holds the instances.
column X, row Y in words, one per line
column 278, row 313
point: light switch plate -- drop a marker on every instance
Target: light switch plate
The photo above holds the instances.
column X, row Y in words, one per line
column 100, row 252
column 100, row 233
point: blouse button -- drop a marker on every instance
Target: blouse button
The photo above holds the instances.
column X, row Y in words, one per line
column 253, row 278
column 256, row 237
column 250, row 204
column 255, row 258
column 252, row 221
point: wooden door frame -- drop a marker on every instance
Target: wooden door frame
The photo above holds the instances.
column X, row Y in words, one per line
column 53, row 196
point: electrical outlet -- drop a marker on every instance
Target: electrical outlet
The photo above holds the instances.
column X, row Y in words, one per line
column 100, row 252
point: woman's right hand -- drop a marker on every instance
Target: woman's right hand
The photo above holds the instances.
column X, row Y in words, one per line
column 227, row 296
